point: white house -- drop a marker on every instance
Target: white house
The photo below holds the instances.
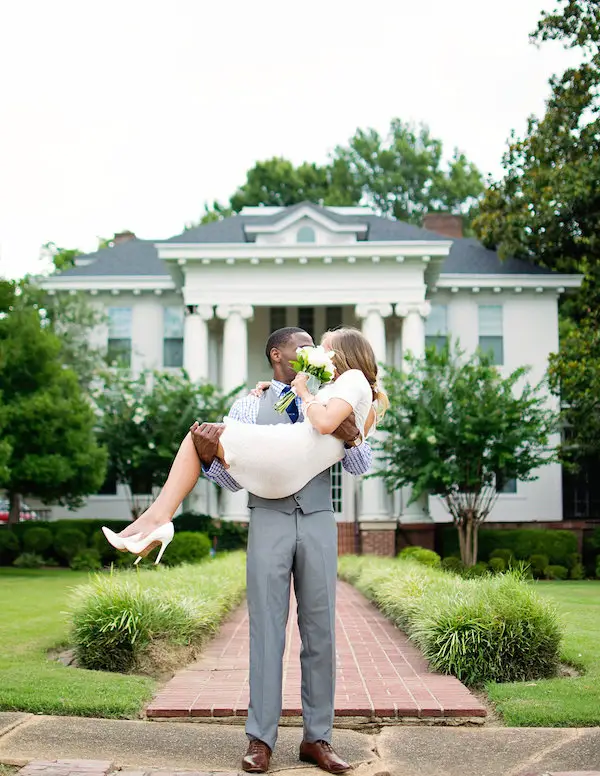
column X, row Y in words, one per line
column 207, row 300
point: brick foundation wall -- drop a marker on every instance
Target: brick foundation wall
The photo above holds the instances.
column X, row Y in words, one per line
column 347, row 544
column 376, row 542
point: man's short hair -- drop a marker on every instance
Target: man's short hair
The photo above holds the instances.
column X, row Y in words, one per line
column 280, row 338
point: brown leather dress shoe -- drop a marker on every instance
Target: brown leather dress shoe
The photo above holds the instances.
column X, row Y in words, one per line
column 322, row 754
column 257, row 757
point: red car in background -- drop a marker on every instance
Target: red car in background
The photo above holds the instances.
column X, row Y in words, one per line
column 26, row 512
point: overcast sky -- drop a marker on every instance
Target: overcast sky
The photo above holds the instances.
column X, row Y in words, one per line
column 130, row 115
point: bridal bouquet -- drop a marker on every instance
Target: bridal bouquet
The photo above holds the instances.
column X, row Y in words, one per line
column 317, row 364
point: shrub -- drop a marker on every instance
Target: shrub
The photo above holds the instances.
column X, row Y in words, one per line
column 452, row 563
column 523, row 542
column 573, row 559
column 37, row 540
column 492, row 629
column 427, row 557
column 480, row 569
column 408, row 552
column 577, row 571
column 29, row 560
column 497, row 565
column 598, row 567
column 538, row 565
column 506, row 555
column 107, row 552
column 9, row 546
column 187, row 547
column 69, row 542
column 86, row 560
column 117, row 617
column 556, row 572
column 230, row 536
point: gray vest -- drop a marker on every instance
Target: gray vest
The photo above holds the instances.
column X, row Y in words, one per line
column 315, row 496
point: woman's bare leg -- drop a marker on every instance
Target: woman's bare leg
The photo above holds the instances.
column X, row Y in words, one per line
column 182, row 478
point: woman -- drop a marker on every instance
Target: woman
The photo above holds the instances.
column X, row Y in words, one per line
column 291, row 454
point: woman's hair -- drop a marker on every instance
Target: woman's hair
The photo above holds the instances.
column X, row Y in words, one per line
column 352, row 350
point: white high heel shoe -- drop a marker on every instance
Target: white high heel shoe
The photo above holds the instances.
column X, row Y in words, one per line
column 116, row 540
column 163, row 535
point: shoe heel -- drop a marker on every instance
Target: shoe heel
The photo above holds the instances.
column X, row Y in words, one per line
column 163, row 547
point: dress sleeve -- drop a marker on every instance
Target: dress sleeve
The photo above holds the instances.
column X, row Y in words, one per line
column 353, row 387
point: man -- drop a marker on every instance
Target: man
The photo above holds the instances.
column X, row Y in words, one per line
column 295, row 536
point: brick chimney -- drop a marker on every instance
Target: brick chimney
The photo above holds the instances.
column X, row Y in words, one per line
column 121, row 237
column 445, row 224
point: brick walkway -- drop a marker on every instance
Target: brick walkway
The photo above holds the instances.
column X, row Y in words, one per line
column 380, row 673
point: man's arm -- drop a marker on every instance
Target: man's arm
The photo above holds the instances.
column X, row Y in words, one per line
column 206, row 441
column 358, row 460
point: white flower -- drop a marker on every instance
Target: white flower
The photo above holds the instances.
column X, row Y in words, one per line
column 318, row 357
column 138, row 416
column 431, row 439
column 412, row 435
column 151, row 446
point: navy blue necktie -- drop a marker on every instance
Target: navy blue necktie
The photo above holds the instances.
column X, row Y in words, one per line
column 292, row 409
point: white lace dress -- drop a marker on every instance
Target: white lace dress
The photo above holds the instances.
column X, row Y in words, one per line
column 275, row 461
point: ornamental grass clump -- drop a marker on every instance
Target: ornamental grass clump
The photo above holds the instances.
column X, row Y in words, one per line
column 493, row 628
column 119, row 619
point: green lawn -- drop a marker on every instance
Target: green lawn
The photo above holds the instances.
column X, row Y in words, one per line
column 33, row 620
column 566, row 701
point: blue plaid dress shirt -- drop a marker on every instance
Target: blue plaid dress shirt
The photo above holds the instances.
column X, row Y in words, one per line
column 356, row 461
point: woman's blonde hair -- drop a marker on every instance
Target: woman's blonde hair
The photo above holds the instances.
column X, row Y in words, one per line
column 352, row 350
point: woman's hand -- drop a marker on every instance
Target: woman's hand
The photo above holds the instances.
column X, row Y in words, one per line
column 261, row 387
column 299, row 385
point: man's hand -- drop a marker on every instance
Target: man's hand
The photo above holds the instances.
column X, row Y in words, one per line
column 206, row 440
column 347, row 431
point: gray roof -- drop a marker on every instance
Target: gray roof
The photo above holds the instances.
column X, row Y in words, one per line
column 134, row 257
column 140, row 257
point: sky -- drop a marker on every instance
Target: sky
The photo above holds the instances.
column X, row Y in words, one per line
column 131, row 115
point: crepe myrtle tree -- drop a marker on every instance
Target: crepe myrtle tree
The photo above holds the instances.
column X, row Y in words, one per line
column 142, row 421
column 458, row 429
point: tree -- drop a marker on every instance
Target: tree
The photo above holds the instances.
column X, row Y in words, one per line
column 49, row 424
column 546, row 209
column 142, row 421
column 402, row 174
column 574, row 375
column 62, row 258
column 457, row 429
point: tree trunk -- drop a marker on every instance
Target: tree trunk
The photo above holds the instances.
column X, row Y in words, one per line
column 467, row 539
column 14, row 512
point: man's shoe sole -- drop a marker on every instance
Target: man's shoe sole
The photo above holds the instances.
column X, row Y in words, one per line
column 305, row 759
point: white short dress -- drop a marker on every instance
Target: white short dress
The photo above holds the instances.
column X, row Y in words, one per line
column 275, row 461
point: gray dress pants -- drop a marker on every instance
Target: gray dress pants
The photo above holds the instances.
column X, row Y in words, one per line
column 281, row 546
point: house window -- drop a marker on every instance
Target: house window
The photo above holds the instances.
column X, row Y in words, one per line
column 336, row 486
column 306, row 319
column 173, row 336
column 333, row 318
column 119, row 336
column 306, row 234
column 277, row 318
column 491, row 340
column 436, row 326
column 510, row 486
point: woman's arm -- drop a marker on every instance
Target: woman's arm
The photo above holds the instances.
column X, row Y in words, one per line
column 324, row 418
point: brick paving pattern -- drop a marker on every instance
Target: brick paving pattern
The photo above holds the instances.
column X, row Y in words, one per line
column 380, row 673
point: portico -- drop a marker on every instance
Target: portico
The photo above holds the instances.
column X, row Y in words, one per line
column 236, row 294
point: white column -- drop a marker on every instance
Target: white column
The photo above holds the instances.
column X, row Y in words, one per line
column 195, row 341
column 234, row 366
column 235, row 344
column 413, row 341
column 375, row 503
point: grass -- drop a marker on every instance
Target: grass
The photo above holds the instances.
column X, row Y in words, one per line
column 32, row 621
column 561, row 701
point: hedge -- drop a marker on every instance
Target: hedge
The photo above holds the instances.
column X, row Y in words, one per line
column 557, row 544
column 117, row 618
column 491, row 629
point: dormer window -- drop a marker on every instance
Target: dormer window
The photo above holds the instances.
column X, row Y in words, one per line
column 306, row 234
